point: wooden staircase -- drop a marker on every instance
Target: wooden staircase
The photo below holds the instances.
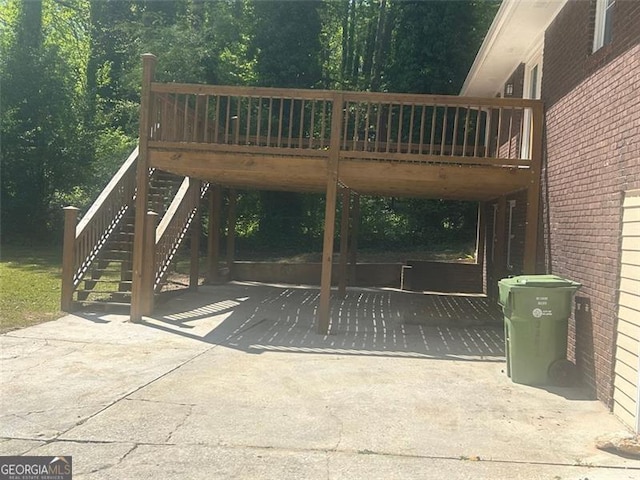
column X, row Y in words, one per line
column 98, row 256
column 109, row 281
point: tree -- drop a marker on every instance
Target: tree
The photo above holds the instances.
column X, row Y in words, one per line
column 434, row 44
column 286, row 45
column 67, row 128
column 41, row 127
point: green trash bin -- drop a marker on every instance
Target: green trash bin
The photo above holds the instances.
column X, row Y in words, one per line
column 536, row 311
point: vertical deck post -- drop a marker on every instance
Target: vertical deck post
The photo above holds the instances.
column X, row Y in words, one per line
column 355, row 226
column 142, row 188
column 499, row 264
column 330, row 215
column 213, row 241
column 68, row 257
column 344, row 241
column 481, row 236
column 196, row 229
column 149, row 265
column 480, row 233
column 231, row 231
column 533, row 192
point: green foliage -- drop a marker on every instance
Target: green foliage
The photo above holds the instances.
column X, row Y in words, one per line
column 286, row 43
column 434, row 44
column 67, row 127
column 42, row 149
column 411, row 223
column 113, row 146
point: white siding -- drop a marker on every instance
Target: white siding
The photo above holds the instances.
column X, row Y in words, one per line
column 625, row 394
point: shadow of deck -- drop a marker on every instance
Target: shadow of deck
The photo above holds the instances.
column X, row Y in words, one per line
column 258, row 318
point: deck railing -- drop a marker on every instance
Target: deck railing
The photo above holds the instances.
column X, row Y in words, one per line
column 373, row 126
column 173, row 227
column 83, row 241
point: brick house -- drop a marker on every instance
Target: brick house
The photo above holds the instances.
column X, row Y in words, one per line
column 582, row 58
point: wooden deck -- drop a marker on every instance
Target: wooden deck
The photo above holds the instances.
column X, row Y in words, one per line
column 382, row 144
column 386, row 144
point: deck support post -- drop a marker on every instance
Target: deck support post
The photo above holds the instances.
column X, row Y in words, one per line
column 213, row 241
column 142, row 188
column 324, row 306
column 196, row 229
column 481, row 236
column 355, row 226
column 68, row 257
column 344, row 242
column 533, row 192
column 531, row 231
column 148, row 266
column 231, row 231
column 499, row 262
column 327, row 257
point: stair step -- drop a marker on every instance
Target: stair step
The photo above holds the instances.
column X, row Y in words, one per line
column 108, row 270
column 115, row 282
column 118, row 255
column 110, row 292
column 109, row 281
column 122, row 246
column 105, row 303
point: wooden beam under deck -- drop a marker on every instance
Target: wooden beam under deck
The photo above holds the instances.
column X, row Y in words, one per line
column 308, row 174
column 431, row 181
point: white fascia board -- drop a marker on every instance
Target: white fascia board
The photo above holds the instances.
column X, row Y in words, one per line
column 517, row 26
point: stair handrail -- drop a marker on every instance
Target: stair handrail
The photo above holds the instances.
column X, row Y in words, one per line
column 174, row 225
column 103, row 216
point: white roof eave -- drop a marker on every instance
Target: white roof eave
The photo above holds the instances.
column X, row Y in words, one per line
column 516, row 28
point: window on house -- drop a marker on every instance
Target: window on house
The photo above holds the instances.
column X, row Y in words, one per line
column 604, row 23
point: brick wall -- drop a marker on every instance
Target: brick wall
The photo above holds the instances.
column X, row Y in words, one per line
column 517, row 80
column 593, row 156
column 568, row 56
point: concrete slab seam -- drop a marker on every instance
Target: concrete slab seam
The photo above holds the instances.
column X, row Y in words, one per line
column 330, row 451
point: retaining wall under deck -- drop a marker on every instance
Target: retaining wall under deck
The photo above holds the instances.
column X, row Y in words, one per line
column 422, row 276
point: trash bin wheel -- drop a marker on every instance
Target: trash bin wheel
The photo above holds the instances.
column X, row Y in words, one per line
column 563, row 373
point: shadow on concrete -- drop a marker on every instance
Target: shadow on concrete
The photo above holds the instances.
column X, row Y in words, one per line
column 258, row 318
column 576, row 393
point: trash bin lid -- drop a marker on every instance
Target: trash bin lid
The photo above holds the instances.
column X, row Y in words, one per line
column 545, row 281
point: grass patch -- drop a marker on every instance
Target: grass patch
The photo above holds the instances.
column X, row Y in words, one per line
column 29, row 286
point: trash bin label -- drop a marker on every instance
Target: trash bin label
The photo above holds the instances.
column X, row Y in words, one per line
column 542, row 300
column 538, row 313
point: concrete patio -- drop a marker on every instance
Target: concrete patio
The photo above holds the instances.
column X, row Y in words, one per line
column 233, row 382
